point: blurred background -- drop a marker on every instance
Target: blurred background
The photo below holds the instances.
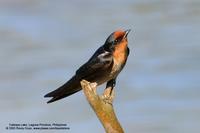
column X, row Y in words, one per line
column 42, row 43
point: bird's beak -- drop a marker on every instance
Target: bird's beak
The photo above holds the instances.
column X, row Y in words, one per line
column 126, row 33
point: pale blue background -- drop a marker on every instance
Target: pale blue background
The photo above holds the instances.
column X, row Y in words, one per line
column 42, row 43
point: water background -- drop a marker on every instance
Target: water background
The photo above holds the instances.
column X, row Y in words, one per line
column 42, row 43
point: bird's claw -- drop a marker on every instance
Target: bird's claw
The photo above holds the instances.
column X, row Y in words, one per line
column 107, row 100
column 108, row 95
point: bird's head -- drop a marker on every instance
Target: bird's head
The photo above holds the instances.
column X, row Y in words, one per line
column 116, row 38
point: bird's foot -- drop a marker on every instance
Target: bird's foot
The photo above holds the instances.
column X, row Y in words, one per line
column 107, row 100
column 108, row 95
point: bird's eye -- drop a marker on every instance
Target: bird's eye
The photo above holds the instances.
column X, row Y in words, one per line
column 116, row 41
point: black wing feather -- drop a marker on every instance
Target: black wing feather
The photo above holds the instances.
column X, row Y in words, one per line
column 99, row 61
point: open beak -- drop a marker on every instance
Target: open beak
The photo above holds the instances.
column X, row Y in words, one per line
column 126, row 33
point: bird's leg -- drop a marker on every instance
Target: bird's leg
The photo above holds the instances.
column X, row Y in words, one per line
column 108, row 94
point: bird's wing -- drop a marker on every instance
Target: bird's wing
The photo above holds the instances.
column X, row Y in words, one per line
column 101, row 60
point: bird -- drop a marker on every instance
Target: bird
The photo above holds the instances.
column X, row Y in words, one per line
column 103, row 67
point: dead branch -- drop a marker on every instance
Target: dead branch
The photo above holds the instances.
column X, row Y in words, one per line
column 102, row 106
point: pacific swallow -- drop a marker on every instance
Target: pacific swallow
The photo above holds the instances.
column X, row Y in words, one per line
column 104, row 66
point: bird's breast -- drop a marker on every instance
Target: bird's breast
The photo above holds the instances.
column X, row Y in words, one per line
column 116, row 68
column 119, row 58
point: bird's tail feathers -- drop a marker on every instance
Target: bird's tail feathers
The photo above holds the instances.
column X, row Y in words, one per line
column 69, row 88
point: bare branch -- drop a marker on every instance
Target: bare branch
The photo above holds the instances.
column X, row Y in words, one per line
column 102, row 106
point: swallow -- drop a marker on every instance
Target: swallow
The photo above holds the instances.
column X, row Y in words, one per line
column 104, row 66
